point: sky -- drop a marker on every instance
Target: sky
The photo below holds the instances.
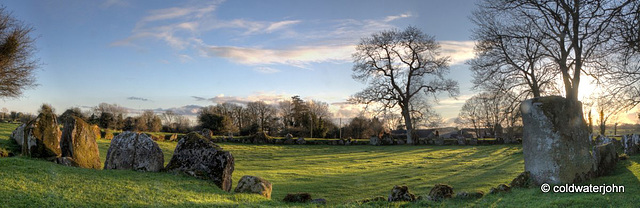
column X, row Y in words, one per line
column 181, row 55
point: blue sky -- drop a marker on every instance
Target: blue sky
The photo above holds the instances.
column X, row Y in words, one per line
column 176, row 54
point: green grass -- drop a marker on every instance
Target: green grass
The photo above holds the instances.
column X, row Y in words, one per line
column 340, row 174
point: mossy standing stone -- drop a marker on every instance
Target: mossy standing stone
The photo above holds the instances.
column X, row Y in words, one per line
column 42, row 137
column 79, row 143
column 556, row 143
column 200, row 157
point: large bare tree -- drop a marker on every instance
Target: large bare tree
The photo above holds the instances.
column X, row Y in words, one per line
column 397, row 66
column 572, row 35
column 17, row 62
column 509, row 57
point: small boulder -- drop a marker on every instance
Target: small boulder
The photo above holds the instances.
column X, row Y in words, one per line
column 462, row 141
column 439, row 141
column 374, row 140
column 502, row 188
column 300, row 140
column 288, row 136
column 199, row 157
column 297, row 197
column 440, row 192
column 107, row 134
column 79, row 143
column 472, row 195
column 401, row 193
column 340, row 141
column 521, row 181
column 319, row 201
column 254, row 184
column 278, row 141
column 134, row 151
column 401, row 142
column 259, row 138
column 289, row 141
column 387, row 140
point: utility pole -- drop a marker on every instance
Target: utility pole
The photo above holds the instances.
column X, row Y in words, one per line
column 340, row 128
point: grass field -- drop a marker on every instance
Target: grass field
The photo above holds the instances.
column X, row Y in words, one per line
column 340, row 174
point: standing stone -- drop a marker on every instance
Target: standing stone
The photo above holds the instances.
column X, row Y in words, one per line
column 207, row 133
column 374, row 140
column 462, row 140
column 387, row 140
column 18, row 134
column 254, row 184
column 401, row 193
column 171, row 137
column 556, row 143
column 42, row 136
column 473, row 141
column 631, row 144
column 96, row 131
column 301, row 141
column 79, row 143
column 134, row 151
column 201, row 158
column 439, row 141
column 605, row 157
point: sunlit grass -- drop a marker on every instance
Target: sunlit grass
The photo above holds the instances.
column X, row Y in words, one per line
column 340, row 174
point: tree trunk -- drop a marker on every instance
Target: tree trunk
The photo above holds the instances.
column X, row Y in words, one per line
column 407, row 122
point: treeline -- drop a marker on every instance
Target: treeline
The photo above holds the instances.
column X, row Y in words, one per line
column 112, row 116
column 296, row 117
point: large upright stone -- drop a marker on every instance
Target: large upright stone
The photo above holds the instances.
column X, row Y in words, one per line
column 631, row 144
column 134, row 151
column 556, row 143
column 79, row 143
column 18, row 134
column 42, row 136
column 606, row 158
column 199, row 157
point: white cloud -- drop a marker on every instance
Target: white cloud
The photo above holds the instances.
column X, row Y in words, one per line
column 395, row 17
column 460, row 51
column 280, row 25
column 184, row 58
column 297, row 56
column 266, row 70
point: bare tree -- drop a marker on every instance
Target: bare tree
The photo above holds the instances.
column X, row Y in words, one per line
column 572, row 36
column 509, row 57
column 398, row 65
column 261, row 113
column 16, row 56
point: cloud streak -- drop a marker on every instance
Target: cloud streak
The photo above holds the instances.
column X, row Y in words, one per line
column 296, row 56
column 138, row 98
